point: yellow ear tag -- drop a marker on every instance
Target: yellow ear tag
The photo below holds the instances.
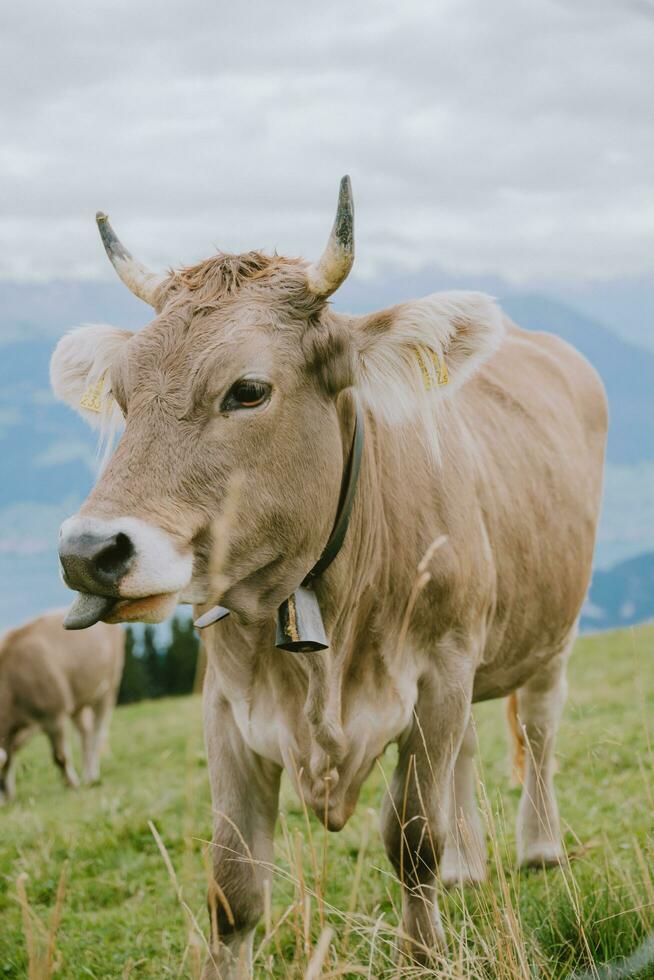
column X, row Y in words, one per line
column 91, row 400
column 432, row 367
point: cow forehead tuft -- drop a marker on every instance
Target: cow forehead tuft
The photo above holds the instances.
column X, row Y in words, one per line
column 222, row 276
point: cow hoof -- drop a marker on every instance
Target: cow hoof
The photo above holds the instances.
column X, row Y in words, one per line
column 224, row 966
column 545, row 854
column 427, row 955
column 461, row 874
column 423, row 939
column 463, row 865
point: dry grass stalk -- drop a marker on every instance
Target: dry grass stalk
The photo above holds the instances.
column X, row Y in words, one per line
column 316, row 962
column 195, row 928
column 422, row 579
column 42, row 959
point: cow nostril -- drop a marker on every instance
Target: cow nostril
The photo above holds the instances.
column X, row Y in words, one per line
column 115, row 555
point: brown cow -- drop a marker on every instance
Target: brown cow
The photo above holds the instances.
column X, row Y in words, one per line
column 477, row 434
column 48, row 675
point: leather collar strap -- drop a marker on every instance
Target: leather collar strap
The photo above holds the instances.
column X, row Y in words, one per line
column 346, row 499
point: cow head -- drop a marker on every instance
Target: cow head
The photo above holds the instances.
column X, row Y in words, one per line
column 237, row 388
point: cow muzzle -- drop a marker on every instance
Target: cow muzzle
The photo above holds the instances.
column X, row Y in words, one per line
column 95, row 561
column 124, row 569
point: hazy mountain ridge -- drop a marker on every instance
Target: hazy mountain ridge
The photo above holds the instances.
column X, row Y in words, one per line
column 626, row 370
column 622, row 595
column 49, row 458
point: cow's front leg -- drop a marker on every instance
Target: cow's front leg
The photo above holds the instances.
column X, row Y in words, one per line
column 55, row 729
column 245, row 794
column 415, row 811
column 464, row 859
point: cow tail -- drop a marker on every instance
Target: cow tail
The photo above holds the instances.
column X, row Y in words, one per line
column 518, row 744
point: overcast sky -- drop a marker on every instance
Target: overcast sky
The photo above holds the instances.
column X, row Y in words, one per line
column 506, row 138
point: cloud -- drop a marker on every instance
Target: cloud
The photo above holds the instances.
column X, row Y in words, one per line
column 24, row 545
column 506, row 139
column 31, row 529
column 67, row 451
column 9, row 417
column 43, row 396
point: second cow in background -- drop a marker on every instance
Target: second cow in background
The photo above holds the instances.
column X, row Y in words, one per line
column 48, row 675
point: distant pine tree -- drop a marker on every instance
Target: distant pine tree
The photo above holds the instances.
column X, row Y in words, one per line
column 152, row 661
column 157, row 672
column 134, row 685
column 180, row 658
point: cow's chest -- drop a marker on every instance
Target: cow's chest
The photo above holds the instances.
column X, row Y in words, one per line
column 328, row 730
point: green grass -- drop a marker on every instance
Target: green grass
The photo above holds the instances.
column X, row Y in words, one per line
column 122, row 917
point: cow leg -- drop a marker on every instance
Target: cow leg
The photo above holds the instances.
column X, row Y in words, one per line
column 8, row 763
column 245, row 794
column 83, row 720
column 95, row 737
column 415, row 810
column 540, row 705
column 103, row 713
column 8, row 771
column 56, row 732
column 464, row 858
column 7, row 776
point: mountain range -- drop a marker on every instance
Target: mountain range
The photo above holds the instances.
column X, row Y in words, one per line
column 49, row 459
column 622, row 595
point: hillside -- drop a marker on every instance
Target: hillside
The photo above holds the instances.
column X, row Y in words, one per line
column 121, row 915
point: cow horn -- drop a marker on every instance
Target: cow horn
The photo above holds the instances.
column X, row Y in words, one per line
column 326, row 275
column 137, row 277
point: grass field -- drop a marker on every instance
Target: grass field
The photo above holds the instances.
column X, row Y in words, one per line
column 82, row 872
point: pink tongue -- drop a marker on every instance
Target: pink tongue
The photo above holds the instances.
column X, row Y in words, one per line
column 86, row 610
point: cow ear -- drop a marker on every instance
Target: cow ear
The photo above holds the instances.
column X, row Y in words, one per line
column 413, row 354
column 79, row 371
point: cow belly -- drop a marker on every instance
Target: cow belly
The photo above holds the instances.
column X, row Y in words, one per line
column 505, row 674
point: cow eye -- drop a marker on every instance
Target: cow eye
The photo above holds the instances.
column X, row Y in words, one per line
column 246, row 393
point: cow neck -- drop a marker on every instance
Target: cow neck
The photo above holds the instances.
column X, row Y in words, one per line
column 349, row 483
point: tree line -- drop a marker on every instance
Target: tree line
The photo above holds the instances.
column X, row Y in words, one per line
column 156, row 668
